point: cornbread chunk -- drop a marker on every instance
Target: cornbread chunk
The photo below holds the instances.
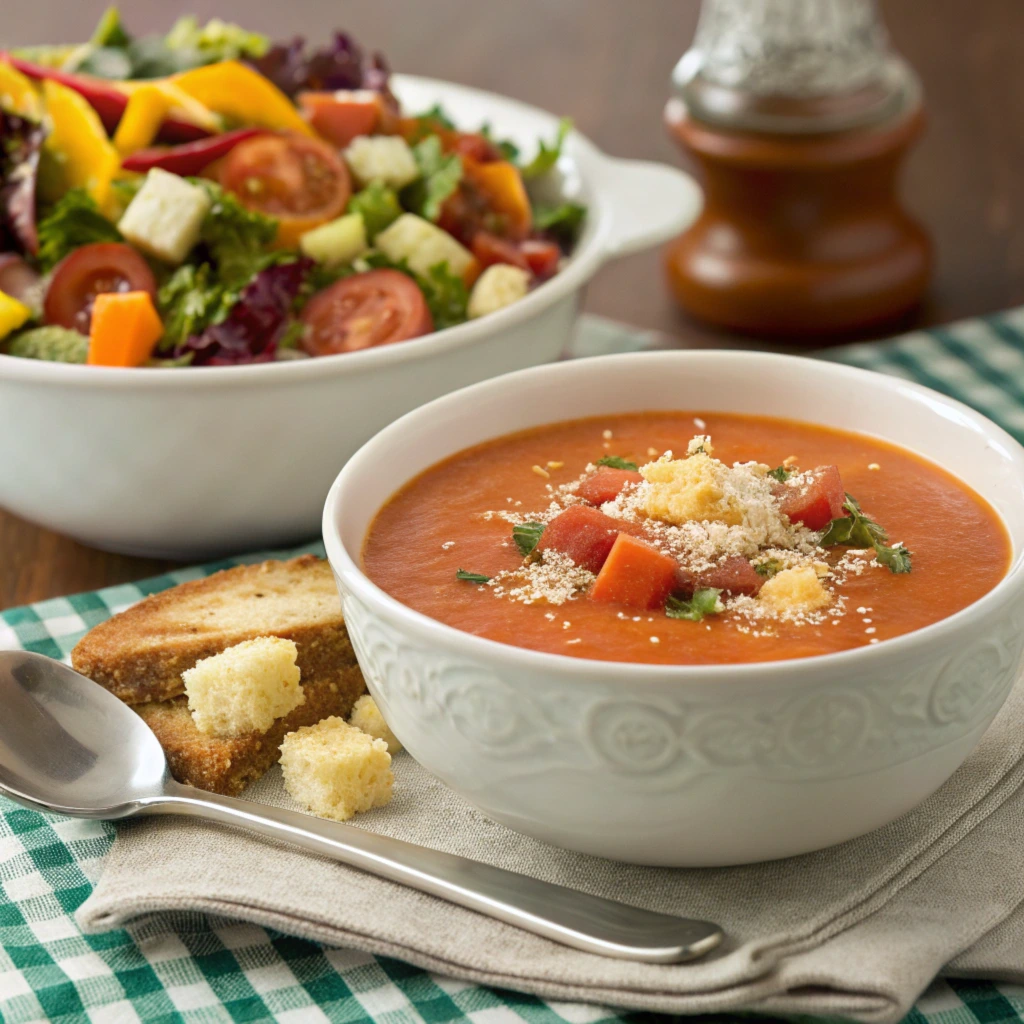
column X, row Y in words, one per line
column 497, row 287
column 366, row 716
column 228, row 765
column 140, row 654
column 336, row 770
column 244, row 688
column 688, row 490
column 793, row 591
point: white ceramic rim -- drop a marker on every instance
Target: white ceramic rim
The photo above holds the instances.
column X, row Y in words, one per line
column 589, row 668
column 591, row 251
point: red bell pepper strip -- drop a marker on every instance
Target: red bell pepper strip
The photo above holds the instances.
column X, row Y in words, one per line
column 107, row 101
column 190, row 158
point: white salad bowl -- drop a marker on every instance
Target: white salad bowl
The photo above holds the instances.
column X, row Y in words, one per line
column 198, row 461
column 687, row 765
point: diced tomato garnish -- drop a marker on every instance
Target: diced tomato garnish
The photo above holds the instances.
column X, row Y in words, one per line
column 541, row 257
column 733, row 575
column 584, row 534
column 816, row 502
column 343, row 115
column 490, row 249
column 607, row 484
column 470, row 144
column 635, row 574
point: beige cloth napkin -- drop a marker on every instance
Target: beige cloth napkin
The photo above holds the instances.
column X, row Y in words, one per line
column 858, row 930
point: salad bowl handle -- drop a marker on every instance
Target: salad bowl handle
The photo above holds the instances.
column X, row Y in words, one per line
column 649, row 203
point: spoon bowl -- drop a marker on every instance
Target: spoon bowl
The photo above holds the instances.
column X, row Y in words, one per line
column 70, row 746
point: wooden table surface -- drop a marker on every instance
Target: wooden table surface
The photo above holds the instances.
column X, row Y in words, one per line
column 607, row 64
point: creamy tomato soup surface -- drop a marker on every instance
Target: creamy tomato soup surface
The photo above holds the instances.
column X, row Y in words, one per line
column 686, row 538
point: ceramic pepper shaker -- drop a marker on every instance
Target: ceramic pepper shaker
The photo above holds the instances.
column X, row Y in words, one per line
column 799, row 115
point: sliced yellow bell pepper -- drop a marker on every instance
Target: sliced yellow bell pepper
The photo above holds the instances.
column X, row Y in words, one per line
column 12, row 314
column 78, row 142
column 18, row 94
column 141, row 120
column 239, row 92
column 179, row 104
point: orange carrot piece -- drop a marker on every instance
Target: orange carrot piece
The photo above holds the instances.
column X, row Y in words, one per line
column 125, row 327
column 635, row 574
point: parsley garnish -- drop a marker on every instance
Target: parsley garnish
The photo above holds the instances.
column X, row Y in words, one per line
column 547, row 155
column 472, row 577
column 780, row 473
column 614, row 462
column 704, row 602
column 440, row 174
column 527, row 536
column 861, row 531
column 768, row 569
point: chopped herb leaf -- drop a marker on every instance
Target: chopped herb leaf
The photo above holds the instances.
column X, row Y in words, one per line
column 509, row 150
column 563, row 221
column 440, row 174
column 527, row 536
column 438, row 115
column 615, row 462
column 768, row 569
column 378, row 205
column 861, row 531
column 547, row 155
column 472, row 577
column 447, row 296
column 780, row 473
column 704, row 602
column 75, row 221
column 895, row 559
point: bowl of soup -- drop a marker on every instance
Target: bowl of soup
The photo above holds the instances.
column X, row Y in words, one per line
column 686, row 608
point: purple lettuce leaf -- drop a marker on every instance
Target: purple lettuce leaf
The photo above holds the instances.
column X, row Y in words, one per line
column 251, row 330
column 342, row 64
column 21, row 141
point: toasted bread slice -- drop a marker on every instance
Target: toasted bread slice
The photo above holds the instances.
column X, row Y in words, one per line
column 229, row 765
column 139, row 654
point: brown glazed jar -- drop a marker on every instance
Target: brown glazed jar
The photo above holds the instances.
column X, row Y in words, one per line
column 802, row 235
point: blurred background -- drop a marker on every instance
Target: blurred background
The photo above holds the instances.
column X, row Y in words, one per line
column 606, row 63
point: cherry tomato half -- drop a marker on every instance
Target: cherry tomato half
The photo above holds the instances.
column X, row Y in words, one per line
column 88, row 272
column 489, row 249
column 299, row 181
column 378, row 307
column 542, row 257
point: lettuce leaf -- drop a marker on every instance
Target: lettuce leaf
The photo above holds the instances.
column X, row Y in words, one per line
column 74, row 221
column 22, row 143
column 251, row 331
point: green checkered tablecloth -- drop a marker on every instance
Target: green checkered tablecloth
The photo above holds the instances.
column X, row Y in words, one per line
column 192, row 968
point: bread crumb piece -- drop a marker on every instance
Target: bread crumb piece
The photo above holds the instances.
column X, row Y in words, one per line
column 555, row 464
column 606, row 434
column 688, row 490
column 789, row 461
column 655, row 640
column 335, row 770
column 366, row 716
column 244, row 688
column 541, row 471
column 794, row 591
column 874, row 465
column 699, row 423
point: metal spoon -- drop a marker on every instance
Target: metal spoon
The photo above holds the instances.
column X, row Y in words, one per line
column 70, row 746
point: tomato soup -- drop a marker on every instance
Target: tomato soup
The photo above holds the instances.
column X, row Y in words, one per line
column 686, row 538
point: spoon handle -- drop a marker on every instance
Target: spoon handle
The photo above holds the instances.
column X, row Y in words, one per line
column 573, row 918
